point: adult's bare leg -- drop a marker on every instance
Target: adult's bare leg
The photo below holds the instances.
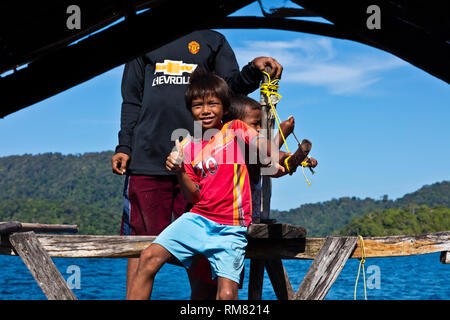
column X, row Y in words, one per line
column 131, row 270
column 151, row 260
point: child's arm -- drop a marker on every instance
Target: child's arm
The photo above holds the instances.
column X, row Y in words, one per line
column 175, row 164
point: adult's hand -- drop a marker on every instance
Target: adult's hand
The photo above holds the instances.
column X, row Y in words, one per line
column 276, row 68
column 119, row 163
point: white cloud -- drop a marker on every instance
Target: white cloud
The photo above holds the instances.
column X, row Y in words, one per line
column 316, row 62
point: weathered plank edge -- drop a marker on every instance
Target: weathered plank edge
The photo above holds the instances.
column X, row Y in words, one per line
column 7, row 227
column 325, row 268
column 41, row 267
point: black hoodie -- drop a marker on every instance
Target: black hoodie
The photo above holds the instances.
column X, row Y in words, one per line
column 153, row 89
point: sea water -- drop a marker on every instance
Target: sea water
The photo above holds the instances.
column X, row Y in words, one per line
column 420, row 277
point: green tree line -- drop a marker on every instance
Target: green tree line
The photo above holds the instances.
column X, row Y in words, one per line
column 81, row 189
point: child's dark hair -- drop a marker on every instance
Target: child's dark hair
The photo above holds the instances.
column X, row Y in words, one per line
column 238, row 104
column 203, row 83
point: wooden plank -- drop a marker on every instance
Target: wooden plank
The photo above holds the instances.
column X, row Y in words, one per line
column 15, row 226
column 325, row 268
column 275, row 231
column 279, row 279
column 445, row 257
column 41, row 266
column 256, row 278
column 391, row 246
column 131, row 246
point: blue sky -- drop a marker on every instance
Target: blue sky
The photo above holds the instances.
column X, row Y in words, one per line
column 378, row 124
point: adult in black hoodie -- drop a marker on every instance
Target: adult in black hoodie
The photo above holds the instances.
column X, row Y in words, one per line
column 153, row 108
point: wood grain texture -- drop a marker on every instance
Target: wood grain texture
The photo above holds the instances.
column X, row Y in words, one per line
column 41, row 266
column 15, row 226
column 325, row 268
column 275, row 231
column 306, row 248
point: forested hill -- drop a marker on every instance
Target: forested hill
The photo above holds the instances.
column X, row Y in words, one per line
column 81, row 189
column 326, row 218
column 78, row 189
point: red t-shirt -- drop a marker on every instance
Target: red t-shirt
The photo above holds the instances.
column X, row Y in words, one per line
column 219, row 169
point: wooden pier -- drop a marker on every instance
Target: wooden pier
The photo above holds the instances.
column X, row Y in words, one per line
column 267, row 245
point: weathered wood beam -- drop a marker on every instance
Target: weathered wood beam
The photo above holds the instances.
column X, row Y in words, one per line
column 390, row 246
column 275, row 231
column 305, row 249
column 15, row 226
column 41, row 266
column 325, row 268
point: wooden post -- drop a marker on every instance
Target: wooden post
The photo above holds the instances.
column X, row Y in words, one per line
column 41, row 266
column 445, row 257
column 255, row 283
column 325, row 268
column 267, row 125
column 279, row 279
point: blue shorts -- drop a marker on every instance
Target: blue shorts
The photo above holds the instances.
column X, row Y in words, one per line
column 223, row 245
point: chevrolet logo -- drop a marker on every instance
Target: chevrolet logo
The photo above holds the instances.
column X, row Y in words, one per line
column 175, row 68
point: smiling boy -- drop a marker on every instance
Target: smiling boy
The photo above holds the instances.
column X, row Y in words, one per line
column 219, row 190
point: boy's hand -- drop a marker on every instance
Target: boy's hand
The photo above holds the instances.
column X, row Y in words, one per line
column 287, row 126
column 119, row 163
column 280, row 169
column 174, row 161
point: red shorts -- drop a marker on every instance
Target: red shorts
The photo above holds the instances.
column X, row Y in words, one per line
column 151, row 203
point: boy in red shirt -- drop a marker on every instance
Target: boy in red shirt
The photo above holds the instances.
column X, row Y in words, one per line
column 213, row 177
column 249, row 111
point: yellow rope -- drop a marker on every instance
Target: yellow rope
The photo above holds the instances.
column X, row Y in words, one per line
column 271, row 88
column 305, row 164
column 363, row 256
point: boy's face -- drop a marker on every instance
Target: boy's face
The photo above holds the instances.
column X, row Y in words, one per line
column 253, row 118
column 208, row 110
